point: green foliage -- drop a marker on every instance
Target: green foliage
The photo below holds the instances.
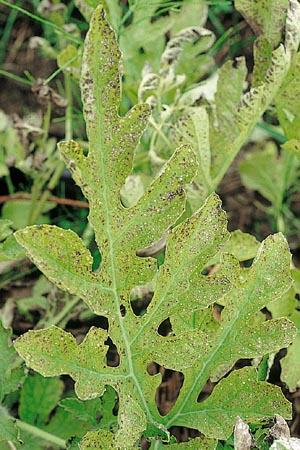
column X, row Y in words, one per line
column 272, row 176
column 150, row 37
column 217, row 116
column 266, row 18
column 44, row 417
column 10, row 377
column 198, row 345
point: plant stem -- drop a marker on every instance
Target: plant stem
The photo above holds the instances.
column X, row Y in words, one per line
column 160, row 133
column 6, row 33
column 47, row 193
column 69, row 109
column 40, row 433
column 9, row 184
column 61, row 315
column 15, row 77
column 36, row 207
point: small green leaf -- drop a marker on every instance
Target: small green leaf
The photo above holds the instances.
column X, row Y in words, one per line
column 10, row 377
column 270, row 174
column 39, row 396
column 94, row 411
column 235, row 113
column 51, row 359
column 18, row 212
column 10, row 250
column 144, row 33
column 5, row 228
column 8, row 430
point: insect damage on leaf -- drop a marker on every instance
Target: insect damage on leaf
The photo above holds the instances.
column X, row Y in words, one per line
column 198, row 345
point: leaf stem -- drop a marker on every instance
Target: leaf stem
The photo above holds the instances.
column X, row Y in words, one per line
column 69, row 108
column 40, row 433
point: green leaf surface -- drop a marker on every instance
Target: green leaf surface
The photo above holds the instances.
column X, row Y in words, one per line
column 285, row 444
column 236, row 401
column 91, row 412
column 287, row 101
column 10, row 376
column 8, row 430
column 194, row 130
column 148, row 35
column 102, row 440
column 18, row 212
column 265, row 17
column 29, row 442
column 262, row 50
column 242, row 246
column 5, row 228
column 200, row 349
column 290, row 366
column 39, row 396
column 290, row 362
column 236, row 113
column 270, row 174
column 74, row 417
column 10, row 250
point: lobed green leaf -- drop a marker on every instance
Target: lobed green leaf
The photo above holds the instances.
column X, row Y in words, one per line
column 199, row 345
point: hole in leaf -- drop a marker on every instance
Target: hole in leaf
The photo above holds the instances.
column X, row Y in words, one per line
column 77, row 325
column 183, row 434
column 96, row 257
column 145, row 445
column 168, row 390
column 112, row 355
column 122, row 310
column 206, row 391
column 141, row 297
column 115, row 410
column 165, row 328
column 217, row 311
column 153, row 368
column 275, row 370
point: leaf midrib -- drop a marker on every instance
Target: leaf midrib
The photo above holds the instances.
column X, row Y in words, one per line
column 111, row 257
